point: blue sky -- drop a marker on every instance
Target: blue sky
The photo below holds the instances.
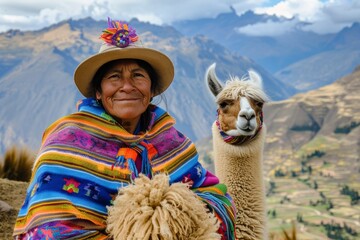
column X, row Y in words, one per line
column 323, row 16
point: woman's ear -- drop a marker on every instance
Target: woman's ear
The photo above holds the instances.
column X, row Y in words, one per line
column 98, row 95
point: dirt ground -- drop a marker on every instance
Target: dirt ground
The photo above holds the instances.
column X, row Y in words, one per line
column 12, row 194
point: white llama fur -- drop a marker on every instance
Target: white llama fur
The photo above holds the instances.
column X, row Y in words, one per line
column 240, row 166
column 153, row 209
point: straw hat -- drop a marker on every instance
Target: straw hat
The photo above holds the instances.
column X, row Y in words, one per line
column 120, row 43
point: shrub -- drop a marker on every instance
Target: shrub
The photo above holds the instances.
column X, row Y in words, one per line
column 354, row 195
column 17, row 164
column 347, row 128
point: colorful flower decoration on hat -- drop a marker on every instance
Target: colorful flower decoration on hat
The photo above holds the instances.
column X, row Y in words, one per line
column 119, row 34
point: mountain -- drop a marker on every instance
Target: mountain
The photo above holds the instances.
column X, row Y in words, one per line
column 329, row 116
column 312, row 160
column 302, row 59
column 37, row 71
column 341, row 54
column 274, row 50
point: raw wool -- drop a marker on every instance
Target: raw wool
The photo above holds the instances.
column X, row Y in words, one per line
column 153, row 209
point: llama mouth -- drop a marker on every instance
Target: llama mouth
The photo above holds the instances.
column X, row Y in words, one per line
column 248, row 129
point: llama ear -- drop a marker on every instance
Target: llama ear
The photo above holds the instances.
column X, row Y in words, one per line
column 255, row 78
column 212, row 80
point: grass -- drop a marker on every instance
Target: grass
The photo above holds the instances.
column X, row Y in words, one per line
column 284, row 234
column 318, row 143
column 17, row 164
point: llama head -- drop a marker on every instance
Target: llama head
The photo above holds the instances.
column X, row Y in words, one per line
column 240, row 102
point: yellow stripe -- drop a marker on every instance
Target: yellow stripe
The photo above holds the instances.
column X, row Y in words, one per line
column 58, row 209
column 172, row 161
column 83, row 164
column 103, row 127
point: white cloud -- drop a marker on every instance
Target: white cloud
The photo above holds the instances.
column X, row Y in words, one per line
column 324, row 15
column 164, row 12
column 304, row 9
column 335, row 15
column 269, row 28
column 37, row 14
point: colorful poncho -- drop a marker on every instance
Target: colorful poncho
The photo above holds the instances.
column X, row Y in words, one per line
column 87, row 156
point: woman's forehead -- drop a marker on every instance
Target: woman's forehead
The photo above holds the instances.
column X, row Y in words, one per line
column 124, row 64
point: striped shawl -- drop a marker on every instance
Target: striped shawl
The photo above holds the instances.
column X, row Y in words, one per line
column 87, row 156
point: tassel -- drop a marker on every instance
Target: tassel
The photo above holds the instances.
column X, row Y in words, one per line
column 120, row 161
column 133, row 169
column 145, row 165
column 147, row 153
column 130, row 154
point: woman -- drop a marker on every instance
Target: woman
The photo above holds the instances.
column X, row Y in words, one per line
column 116, row 135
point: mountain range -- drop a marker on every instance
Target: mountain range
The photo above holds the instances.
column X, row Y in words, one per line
column 36, row 70
column 303, row 59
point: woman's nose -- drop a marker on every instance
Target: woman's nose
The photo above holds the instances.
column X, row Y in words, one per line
column 128, row 84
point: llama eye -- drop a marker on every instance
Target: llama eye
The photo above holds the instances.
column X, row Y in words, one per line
column 259, row 104
column 223, row 104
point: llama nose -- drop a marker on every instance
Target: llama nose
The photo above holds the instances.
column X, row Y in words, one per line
column 248, row 114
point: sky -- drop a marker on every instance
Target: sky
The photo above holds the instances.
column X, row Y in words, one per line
column 322, row 16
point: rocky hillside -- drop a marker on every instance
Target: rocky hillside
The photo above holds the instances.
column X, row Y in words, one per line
column 329, row 114
column 12, row 194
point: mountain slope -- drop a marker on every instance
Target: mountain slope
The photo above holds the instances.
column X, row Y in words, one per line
column 321, row 112
column 273, row 51
column 37, row 68
column 302, row 59
column 339, row 57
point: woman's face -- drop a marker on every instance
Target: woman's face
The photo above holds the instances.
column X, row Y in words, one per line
column 125, row 92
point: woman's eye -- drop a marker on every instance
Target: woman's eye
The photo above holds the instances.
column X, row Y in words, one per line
column 113, row 76
column 138, row 74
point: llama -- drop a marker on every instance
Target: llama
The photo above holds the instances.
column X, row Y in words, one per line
column 238, row 141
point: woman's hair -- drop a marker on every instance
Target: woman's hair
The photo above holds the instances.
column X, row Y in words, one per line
column 95, row 84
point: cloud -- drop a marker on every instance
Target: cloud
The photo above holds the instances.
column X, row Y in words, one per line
column 334, row 16
column 270, row 28
column 163, row 12
column 304, row 9
column 37, row 14
column 321, row 16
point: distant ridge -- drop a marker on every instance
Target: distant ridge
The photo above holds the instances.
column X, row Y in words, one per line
column 302, row 59
column 37, row 76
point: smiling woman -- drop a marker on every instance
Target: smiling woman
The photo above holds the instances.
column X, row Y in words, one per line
column 117, row 137
column 125, row 92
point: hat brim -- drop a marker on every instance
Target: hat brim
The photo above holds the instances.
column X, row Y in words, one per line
column 161, row 64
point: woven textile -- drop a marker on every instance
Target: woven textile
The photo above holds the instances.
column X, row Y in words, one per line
column 87, row 156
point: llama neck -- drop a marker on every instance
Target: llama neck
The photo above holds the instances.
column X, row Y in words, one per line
column 248, row 149
column 240, row 168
